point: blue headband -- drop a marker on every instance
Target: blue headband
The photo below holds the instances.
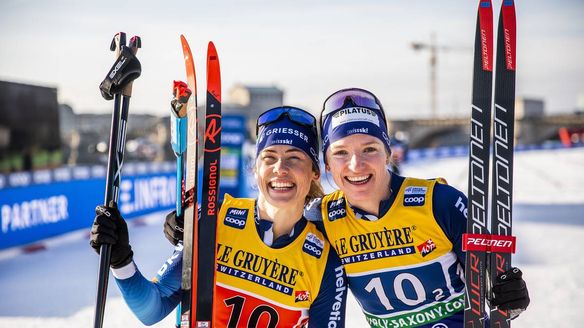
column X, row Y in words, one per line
column 288, row 133
column 352, row 120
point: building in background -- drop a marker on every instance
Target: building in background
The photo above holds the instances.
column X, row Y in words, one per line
column 29, row 127
column 250, row 101
column 38, row 133
column 85, row 137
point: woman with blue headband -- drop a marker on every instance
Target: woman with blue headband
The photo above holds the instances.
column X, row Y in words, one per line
column 281, row 270
column 398, row 238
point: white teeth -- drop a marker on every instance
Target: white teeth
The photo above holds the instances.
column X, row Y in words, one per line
column 358, row 179
column 282, row 184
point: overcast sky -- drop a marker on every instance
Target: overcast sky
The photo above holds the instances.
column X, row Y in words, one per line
column 307, row 48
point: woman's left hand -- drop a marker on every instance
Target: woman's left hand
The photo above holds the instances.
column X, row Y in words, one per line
column 510, row 292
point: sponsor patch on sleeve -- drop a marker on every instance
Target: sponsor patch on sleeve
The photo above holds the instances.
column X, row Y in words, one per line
column 236, row 217
column 336, row 209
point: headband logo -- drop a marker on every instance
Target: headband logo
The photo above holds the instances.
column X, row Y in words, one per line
column 386, row 138
column 354, row 114
column 284, row 131
column 313, row 153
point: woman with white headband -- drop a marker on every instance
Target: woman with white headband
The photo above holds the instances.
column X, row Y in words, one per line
column 398, row 238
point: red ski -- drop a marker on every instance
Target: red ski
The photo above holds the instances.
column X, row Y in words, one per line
column 190, row 242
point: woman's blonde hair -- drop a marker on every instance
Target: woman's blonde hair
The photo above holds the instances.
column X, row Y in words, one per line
column 316, row 190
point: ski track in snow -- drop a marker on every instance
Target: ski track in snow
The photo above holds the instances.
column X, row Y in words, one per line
column 57, row 287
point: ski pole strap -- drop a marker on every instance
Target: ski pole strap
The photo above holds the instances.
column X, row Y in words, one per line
column 488, row 243
column 126, row 69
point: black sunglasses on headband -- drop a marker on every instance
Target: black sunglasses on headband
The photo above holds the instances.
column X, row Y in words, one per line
column 352, row 97
column 296, row 115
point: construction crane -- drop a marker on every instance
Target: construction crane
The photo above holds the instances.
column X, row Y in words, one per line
column 434, row 48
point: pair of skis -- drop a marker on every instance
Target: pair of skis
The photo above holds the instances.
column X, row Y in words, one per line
column 490, row 252
column 198, row 271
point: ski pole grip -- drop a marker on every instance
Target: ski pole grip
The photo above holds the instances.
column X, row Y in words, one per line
column 135, row 44
column 125, row 69
column 117, row 41
column 181, row 93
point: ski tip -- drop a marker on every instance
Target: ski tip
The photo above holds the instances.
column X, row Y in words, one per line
column 485, row 24
column 213, row 72
column 507, row 3
column 211, row 50
column 509, row 27
column 186, row 49
column 485, row 4
column 184, row 42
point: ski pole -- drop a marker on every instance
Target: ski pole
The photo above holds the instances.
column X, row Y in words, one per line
column 118, row 86
column 178, row 140
column 178, row 134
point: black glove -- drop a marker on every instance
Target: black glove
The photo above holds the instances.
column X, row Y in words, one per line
column 510, row 292
column 173, row 228
column 110, row 228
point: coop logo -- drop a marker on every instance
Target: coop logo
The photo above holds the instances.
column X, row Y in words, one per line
column 426, row 247
column 313, row 245
column 236, row 218
column 415, row 196
column 336, row 209
column 414, row 201
column 301, row 296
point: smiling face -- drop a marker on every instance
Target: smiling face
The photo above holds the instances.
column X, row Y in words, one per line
column 284, row 175
column 358, row 166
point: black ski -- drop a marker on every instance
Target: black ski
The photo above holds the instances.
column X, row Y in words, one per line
column 503, row 142
column 210, row 193
column 477, row 242
column 478, row 182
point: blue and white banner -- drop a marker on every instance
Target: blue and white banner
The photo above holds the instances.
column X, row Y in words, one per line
column 232, row 139
column 63, row 200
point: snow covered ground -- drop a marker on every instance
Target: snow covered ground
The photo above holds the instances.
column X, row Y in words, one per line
column 56, row 287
